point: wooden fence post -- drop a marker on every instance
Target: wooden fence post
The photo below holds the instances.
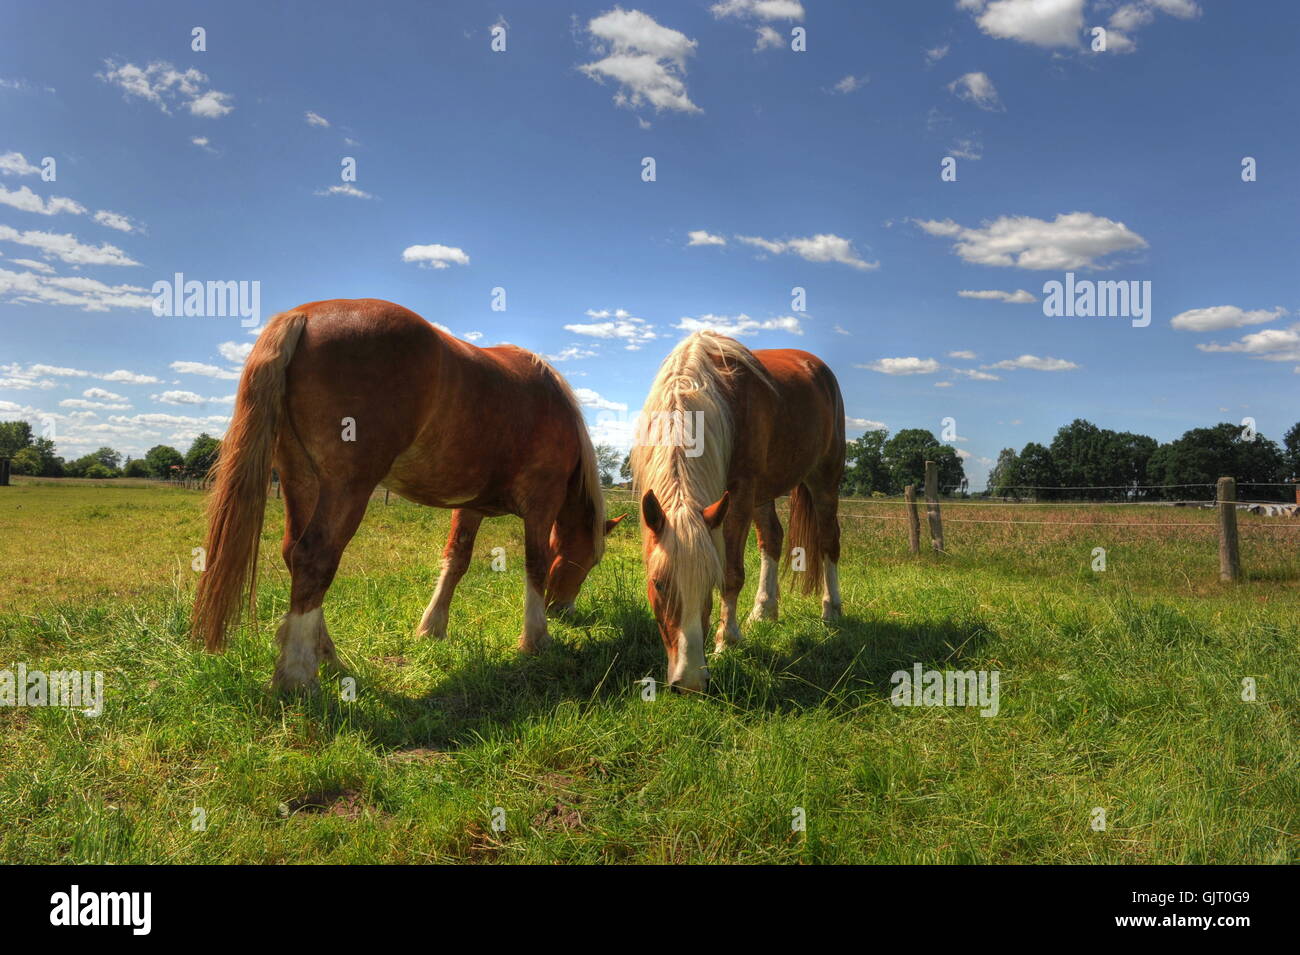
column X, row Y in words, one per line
column 932, row 505
column 1229, row 555
column 4, row 472
column 385, row 495
column 913, row 522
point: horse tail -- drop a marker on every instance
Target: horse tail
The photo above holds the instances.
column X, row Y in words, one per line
column 237, row 504
column 805, row 534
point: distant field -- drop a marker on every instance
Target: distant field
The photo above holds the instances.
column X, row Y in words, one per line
column 1119, row 690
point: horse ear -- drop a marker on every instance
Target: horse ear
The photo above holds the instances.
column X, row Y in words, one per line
column 715, row 512
column 613, row 523
column 651, row 512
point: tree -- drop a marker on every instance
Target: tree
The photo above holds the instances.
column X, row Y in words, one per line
column 864, row 469
column 14, row 436
column 136, row 468
column 161, row 458
column 1291, row 444
column 1003, row 477
column 26, row 461
column 110, row 459
column 905, row 455
column 1036, row 472
column 606, row 463
column 202, row 454
column 1203, row 455
column 625, row 469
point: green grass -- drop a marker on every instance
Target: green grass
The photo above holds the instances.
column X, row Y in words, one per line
column 1119, row 690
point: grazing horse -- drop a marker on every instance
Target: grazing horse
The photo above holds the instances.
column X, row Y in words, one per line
column 726, row 431
column 341, row 396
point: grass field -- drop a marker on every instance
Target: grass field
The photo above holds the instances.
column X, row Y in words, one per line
column 1120, row 690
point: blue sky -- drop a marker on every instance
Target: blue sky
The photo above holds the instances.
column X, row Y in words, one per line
column 774, row 169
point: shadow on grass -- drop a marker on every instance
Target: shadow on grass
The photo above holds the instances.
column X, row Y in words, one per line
column 795, row 665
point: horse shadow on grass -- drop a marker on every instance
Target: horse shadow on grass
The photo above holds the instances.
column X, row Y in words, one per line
column 605, row 656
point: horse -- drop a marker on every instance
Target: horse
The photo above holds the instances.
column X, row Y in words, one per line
column 724, row 433
column 341, row 396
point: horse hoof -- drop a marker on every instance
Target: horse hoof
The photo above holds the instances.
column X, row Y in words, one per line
column 762, row 612
column 832, row 612
column 534, row 644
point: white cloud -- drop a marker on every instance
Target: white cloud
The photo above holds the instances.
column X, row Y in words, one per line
column 186, row 398
column 130, row 378
column 1045, row 23
column 91, row 295
column 15, row 164
column 1271, row 344
column 203, row 143
column 67, row 248
column 865, row 423
column 740, row 326
column 115, row 221
column 1018, row 297
column 1071, row 241
column 967, row 147
column 824, row 247
column 102, row 394
column 759, row 9
column 24, row 200
column 935, row 54
column 903, row 366
column 235, row 351
column 851, row 83
column 701, row 237
column 1219, row 317
column 617, row 325
column 1130, row 17
column 99, row 405
column 975, row 374
column 646, row 60
column 964, row 355
column 207, row 371
column 164, row 86
column 978, row 89
column 840, row 331
column 435, row 256
column 1034, row 363
column 767, row 39
column 573, row 353
column 592, row 399
column 350, row 190
column 43, row 267
column 316, row 119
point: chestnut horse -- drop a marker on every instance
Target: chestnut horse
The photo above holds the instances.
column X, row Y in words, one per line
column 724, row 433
column 341, row 396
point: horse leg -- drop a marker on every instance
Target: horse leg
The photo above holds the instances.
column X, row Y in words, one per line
column 455, row 561
column 313, row 558
column 770, row 540
column 537, row 561
column 735, row 533
column 827, row 504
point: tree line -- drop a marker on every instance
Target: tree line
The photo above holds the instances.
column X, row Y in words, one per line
column 1085, row 462
column 35, row 456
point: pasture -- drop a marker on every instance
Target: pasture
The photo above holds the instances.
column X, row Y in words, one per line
column 1120, row 690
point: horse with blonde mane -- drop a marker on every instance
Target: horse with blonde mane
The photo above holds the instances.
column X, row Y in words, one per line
column 341, row 396
column 724, row 433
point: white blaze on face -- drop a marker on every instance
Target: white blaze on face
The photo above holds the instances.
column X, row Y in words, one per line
column 689, row 670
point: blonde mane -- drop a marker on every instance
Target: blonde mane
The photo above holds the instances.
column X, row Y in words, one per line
column 690, row 389
column 588, row 467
